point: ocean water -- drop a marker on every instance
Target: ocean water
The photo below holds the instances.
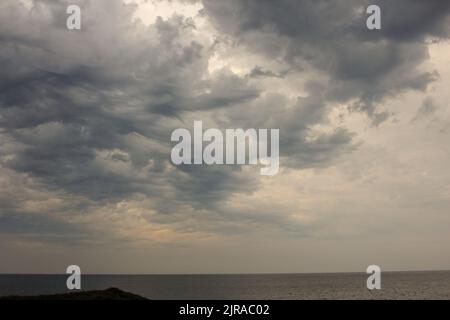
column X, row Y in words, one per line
column 395, row 285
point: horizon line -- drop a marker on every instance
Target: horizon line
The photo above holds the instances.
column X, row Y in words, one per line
column 222, row 274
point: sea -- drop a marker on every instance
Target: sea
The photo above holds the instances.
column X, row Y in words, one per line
column 394, row 285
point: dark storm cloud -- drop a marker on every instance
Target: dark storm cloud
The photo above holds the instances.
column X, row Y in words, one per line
column 332, row 37
column 300, row 146
column 209, row 185
column 71, row 101
column 411, row 20
column 90, row 113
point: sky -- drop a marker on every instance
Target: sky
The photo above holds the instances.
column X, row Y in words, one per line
column 86, row 118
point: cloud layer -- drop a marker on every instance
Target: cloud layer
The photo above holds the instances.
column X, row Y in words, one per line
column 86, row 116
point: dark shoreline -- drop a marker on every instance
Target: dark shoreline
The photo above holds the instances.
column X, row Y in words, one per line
column 108, row 294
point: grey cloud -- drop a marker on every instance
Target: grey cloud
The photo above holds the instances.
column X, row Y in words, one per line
column 300, row 146
column 332, row 37
column 71, row 102
column 90, row 113
column 39, row 226
column 258, row 71
column 427, row 109
column 409, row 20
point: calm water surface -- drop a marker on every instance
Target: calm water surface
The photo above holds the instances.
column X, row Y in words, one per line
column 395, row 285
